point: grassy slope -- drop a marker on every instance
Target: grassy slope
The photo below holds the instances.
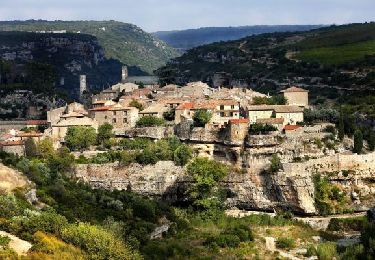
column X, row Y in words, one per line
column 338, row 45
column 125, row 42
column 338, row 54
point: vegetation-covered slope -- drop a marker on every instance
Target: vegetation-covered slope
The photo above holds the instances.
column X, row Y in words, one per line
column 124, row 42
column 331, row 59
column 187, row 39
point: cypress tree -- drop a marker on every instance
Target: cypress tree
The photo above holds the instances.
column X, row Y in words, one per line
column 341, row 130
column 358, row 141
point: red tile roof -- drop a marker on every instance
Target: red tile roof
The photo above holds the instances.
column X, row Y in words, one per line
column 32, row 134
column 36, row 122
column 239, row 121
column 103, row 108
column 291, row 127
column 183, row 106
column 11, row 143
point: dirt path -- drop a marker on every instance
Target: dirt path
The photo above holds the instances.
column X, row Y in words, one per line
column 21, row 247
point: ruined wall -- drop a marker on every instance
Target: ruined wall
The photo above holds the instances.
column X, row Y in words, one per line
column 149, row 132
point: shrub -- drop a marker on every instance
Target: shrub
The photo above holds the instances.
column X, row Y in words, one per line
column 97, row 242
column 31, row 149
column 256, row 129
column 326, row 251
column 201, row 117
column 4, row 241
column 285, row 243
column 149, row 121
column 80, row 137
column 276, row 164
column 182, row 155
column 206, row 175
column 169, row 115
column 347, row 224
column 136, row 104
column 9, row 206
column 104, row 134
column 45, row 147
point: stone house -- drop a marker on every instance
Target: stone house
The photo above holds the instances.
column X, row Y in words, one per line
column 156, row 110
column 107, row 94
column 102, row 103
column 15, row 147
column 117, row 115
column 222, row 110
column 296, row 96
column 291, row 114
column 60, row 128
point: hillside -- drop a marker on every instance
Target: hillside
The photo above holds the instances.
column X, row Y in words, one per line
column 43, row 61
column 187, row 39
column 331, row 59
column 125, row 42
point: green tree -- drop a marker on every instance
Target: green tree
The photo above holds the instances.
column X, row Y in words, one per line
column 149, row 121
column 45, row 148
column 80, row 137
column 358, row 141
column 341, row 130
column 275, row 163
column 206, row 175
column 104, row 133
column 136, row 104
column 202, row 117
column 182, row 155
column 169, row 115
column 61, row 161
column 31, row 149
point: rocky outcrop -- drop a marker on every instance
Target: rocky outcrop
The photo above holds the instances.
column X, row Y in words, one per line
column 11, row 179
column 149, row 132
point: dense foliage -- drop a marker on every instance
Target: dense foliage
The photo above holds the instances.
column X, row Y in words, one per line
column 79, row 138
column 149, row 121
column 202, row 117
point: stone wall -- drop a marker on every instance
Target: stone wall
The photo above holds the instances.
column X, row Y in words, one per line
column 149, row 132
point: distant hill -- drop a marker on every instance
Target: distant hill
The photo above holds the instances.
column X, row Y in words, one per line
column 187, row 39
column 122, row 41
column 333, row 59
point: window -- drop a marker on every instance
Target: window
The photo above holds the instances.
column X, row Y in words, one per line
column 105, row 117
column 232, row 106
column 125, row 113
column 114, row 113
column 125, row 120
column 221, row 107
column 222, row 114
column 114, row 120
column 231, row 113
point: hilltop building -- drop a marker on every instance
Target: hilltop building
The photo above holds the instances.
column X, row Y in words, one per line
column 296, row 96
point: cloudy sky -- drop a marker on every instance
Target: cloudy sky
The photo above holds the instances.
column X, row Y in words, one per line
column 153, row 15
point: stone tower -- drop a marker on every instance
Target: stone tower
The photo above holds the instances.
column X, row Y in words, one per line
column 124, row 73
column 82, row 85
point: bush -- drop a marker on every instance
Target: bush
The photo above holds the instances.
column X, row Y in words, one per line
column 347, row 224
column 9, row 206
column 80, row 137
column 201, row 117
column 285, row 243
column 223, row 240
column 276, row 164
column 256, row 129
column 326, row 251
column 97, row 242
column 182, row 155
column 136, row 104
column 105, row 134
column 149, row 121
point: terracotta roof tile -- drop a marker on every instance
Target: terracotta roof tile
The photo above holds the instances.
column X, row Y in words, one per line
column 11, row 143
column 291, row 127
column 294, row 89
column 239, row 121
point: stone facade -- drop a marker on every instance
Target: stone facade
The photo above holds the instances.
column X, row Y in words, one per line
column 297, row 96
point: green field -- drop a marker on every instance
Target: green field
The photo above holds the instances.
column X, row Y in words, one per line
column 339, row 54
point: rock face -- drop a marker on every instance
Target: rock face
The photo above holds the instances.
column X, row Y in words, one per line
column 248, row 187
column 11, row 179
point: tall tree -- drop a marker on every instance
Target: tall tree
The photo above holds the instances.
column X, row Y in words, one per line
column 341, row 130
column 31, row 149
column 358, row 141
column 80, row 137
column 104, row 133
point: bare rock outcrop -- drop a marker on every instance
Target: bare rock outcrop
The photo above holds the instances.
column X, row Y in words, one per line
column 11, row 179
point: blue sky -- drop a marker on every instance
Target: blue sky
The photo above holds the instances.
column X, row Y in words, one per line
column 153, row 15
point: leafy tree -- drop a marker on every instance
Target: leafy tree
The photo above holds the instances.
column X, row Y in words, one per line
column 202, row 117
column 182, row 155
column 104, row 133
column 149, row 121
column 61, row 161
column 275, row 163
column 31, row 148
column 80, row 137
column 341, row 130
column 358, row 141
column 206, row 175
column 256, row 129
column 136, row 104
column 45, row 147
